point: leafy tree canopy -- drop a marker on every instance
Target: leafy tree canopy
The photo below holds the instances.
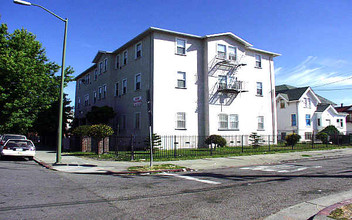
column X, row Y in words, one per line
column 100, row 115
column 28, row 83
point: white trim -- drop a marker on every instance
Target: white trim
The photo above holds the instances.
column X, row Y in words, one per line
column 176, row 45
column 135, row 50
column 135, row 81
column 123, row 58
column 117, row 58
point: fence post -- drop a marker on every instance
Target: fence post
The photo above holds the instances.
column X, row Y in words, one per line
column 211, row 149
column 132, row 148
column 242, row 142
column 313, row 135
column 175, row 147
column 269, row 141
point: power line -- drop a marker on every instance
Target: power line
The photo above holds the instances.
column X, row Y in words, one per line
column 333, row 82
column 334, row 89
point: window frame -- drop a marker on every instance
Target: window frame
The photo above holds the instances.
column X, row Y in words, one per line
column 136, row 50
column 105, row 65
column 293, row 120
column 181, row 79
column 117, row 61
column 258, row 62
column 261, row 123
column 86, row 100
column 235, row 122
column 282, row 103
column 124, row 87
column 116, row 89
column 100, row 67
column 100, row 92
column 308, row 120
column 224, row 56
column 125, row 57
column 94, row 97
column 260, row 89
column 229, row 54
column 136, row 82
column 104, row 91
column 181, row 119
column 183, row 47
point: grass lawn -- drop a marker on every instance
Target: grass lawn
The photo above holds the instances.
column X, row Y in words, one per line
column 189, row 154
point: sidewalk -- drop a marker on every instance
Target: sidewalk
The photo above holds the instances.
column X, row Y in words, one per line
column 318, row 207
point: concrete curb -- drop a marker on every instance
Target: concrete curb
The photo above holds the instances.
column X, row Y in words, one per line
column 322, row 214
column 43, row 164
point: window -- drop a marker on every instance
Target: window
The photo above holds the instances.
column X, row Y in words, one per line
column 318, row 122
column 259, row 89
column 221, row 51
column 124, row 86
column 116, row 89
column 293, row 120
column 328, row 121
column 87, row 79
column 181, row 120
column 309, row 103
column 181, row 80
column 86, row 100
column 79, row 83
column 94, row 97
column 125, row 56
column 232, row 53
column 222, row 82
column 117, row 61
column 223, row 121
column 258, row 61
column 307, row 119
column 308, row 135
column 138, row 50
column 260, row 123
column 137, row 120
column 104, row 91
column 100, row 92
column 137, row 82
column 339, row 123
column 305, row 101
column 95, row 74
column 100, row 67
column 180, row 46
column 233, row 121
column 105, row 64
column 282, row 103
column 123, row 122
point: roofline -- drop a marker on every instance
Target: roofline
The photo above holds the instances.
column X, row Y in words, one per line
column 85, row 71
column 264, row 51
column 247, row 44
column 99, row 53
column 319, row 101
column 279, row 95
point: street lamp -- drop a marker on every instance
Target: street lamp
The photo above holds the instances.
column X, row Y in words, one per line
column 59, row 132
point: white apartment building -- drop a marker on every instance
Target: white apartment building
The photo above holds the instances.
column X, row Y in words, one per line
column 301, row 111
column 198, row 85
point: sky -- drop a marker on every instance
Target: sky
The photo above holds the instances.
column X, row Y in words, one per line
column 313, row 36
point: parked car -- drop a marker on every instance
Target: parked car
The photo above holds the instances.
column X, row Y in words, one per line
column 5, row 137
column 18, row 148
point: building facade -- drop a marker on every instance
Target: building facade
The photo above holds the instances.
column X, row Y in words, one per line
column 197, row 85
column 301, row 111
column 348, row 111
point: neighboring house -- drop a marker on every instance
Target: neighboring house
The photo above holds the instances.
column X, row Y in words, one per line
column 198, row 85
column 301, row 111
column 347, row 110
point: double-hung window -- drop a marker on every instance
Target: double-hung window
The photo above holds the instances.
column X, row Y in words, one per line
column 307, row 119
column 94, row 97
column 222, row 82
column 180, row 46
column 95, row 74
column 87, row 79
column 260, row 123
column 100, row 92
column 137, row 120
column 104, row 91
column 259, row 89
column 100, row 68
column 138, row 50
column 282, row 103
column 233, row 118
column 232, row 53
column 258, row 61
column 86, row 100
column 181, row 79
column 293, row 120
column 125, row 57
column 117, row 61
column 223, row 121
column 137, row 82
column 221, row 51
column 181, row 120
column 124, row 86
column 105, row 64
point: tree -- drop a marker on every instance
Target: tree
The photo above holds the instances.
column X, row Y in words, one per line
column 28, row 83
column 255, row 139
column 100, row 115
column 156, row 141
column 292, row 139
column 324, row 137
column 99, row 132
column 217, row 140
column 330, row 130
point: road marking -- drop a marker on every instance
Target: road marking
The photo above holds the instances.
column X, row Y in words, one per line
column 191, row 178
column 283, row 168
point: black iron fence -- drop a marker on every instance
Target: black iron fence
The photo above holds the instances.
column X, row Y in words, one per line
column 172, row 146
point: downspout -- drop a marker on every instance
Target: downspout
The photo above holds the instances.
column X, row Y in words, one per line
column 297, row 118
column 151, row 82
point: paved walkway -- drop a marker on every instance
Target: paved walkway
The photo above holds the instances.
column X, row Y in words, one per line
column 304, row 210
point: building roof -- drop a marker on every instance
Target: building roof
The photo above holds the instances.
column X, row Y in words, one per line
column 322, row 107
column 344, row 108
column 85, row 71
column 295, row 93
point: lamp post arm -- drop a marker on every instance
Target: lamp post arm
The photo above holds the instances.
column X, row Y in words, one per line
column 64, row 20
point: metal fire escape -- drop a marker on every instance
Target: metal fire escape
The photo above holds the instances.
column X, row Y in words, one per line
column 227, row 87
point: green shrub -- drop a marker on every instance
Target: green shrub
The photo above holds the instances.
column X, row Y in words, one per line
column 292, row 139
column 324, row 137
column 100, row 131
column 156, row 141
column 81, row 131
column 330, row 130
column 217, row 140
column 255, row 139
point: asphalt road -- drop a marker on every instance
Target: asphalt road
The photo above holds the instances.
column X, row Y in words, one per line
column 29, row 191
